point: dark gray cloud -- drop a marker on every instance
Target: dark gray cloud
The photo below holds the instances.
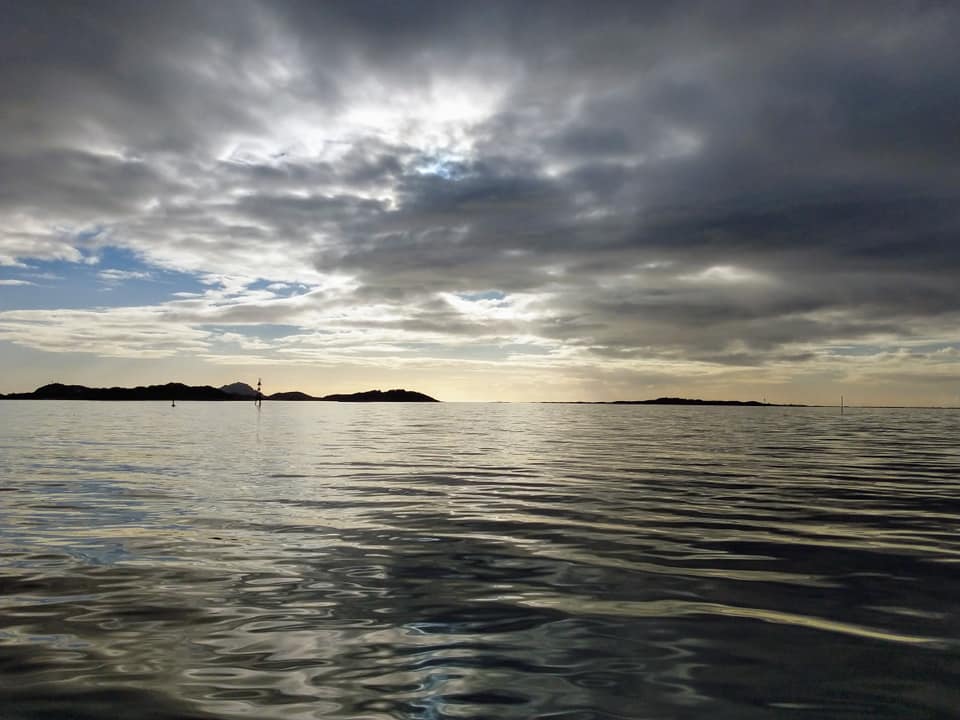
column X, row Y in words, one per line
column 733, row 183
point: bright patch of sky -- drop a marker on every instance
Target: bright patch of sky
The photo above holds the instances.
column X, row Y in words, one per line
column 484, row 295
column 114, row 277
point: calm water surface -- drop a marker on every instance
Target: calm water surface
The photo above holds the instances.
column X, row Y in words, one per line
column 319, row 560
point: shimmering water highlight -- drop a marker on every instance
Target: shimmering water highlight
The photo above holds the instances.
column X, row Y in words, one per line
column 320, row 560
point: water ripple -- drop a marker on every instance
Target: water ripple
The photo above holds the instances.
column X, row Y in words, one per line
column 476, row 561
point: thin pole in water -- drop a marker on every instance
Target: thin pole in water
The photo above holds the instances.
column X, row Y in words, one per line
column 259, row 401
column 841, row 404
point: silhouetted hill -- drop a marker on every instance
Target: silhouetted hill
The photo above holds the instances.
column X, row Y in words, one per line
column 179, row 391
column 398, row 395
column 170, row 391
column 292, row 395
column 239, row 388
column 686, row 401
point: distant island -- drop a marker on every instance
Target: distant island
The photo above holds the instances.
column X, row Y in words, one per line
column 179, row 391
column 241, row 391
column 685, row 401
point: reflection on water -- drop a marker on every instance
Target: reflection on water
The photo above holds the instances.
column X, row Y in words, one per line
column 318, row 560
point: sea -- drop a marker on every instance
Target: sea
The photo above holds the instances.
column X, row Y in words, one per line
column 444, row 560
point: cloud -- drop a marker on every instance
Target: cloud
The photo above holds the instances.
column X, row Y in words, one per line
column 127, row 332
column 733, row 185
column 113, row 275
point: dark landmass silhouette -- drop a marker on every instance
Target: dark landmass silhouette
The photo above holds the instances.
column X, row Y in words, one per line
column 686, row 401
column 398, row 395
column 239, row 388
column 179, row 391
column 241, row 391
column 170, row 391
column 292, row 395
column 690, row 401
column 367, row 396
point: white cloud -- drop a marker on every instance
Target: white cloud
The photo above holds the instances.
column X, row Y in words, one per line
column 726, row 275
column 115, row 276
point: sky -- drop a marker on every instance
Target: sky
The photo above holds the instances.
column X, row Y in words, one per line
column 484, row 200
